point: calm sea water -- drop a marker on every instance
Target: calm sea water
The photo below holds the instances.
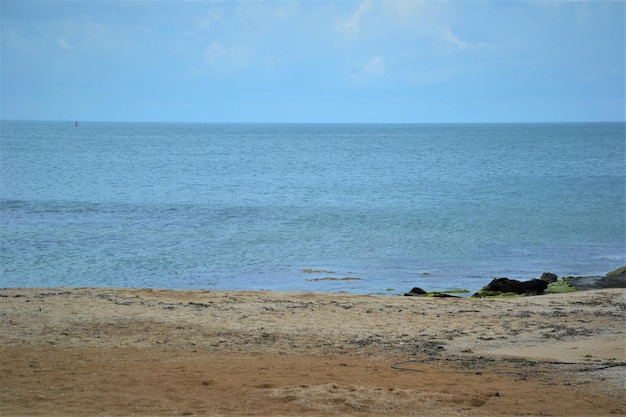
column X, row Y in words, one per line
column 209, row 206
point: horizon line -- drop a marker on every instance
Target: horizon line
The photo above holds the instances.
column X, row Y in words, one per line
column 72, row 121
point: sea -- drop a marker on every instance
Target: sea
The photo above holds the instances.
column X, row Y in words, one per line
column 357, row 208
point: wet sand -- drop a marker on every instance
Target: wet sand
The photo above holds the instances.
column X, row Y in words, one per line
column 118, row 352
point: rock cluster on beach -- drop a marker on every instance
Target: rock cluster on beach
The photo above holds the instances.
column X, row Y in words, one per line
column 547, row 282
column 501, row 286
column 614, row 279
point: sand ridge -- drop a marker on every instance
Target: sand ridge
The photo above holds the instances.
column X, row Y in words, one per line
column 90, row 351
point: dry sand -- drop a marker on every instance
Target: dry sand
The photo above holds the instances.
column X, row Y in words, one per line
column 110, row 352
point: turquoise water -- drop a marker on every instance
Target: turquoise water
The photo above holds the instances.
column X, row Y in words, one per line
column 210, row 206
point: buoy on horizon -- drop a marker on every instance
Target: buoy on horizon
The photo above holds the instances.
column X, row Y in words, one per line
column 76, row 123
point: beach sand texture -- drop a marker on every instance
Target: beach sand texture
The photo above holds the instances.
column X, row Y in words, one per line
column 119, row 352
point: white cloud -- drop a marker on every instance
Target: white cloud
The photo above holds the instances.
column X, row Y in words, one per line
column 388, row 19
column 446, row 35
column 352, row 25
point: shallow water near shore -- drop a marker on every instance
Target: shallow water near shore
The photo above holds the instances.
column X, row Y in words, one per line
column 281, row 207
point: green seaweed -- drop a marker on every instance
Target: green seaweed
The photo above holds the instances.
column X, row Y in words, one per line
column 455, row 291
column 438, row 294
column 619, row 271
column 418, row 292
column 496, row 294
column 560, row 286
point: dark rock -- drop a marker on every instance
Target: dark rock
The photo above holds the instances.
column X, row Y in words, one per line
column 613, row 281
column 583, row 283
column 415, row 291
column 596, row 282
column 534, row 286
column 505, row 285
column 548, row 277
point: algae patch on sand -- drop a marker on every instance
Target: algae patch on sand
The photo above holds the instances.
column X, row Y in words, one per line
column 560, row 286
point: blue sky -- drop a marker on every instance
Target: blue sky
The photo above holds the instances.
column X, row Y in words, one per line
column 313, row 61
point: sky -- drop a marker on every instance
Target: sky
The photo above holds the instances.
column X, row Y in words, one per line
column 312, row 61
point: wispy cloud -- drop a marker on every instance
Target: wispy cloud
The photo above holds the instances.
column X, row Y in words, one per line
column 352, row 25
column 375, row 66
column 382, row 45
column 446, row 34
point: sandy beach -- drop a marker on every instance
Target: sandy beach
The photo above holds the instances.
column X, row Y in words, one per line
column 119, row 352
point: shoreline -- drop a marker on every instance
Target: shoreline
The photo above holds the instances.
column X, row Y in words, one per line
column 612, row 279
column 101, row 351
